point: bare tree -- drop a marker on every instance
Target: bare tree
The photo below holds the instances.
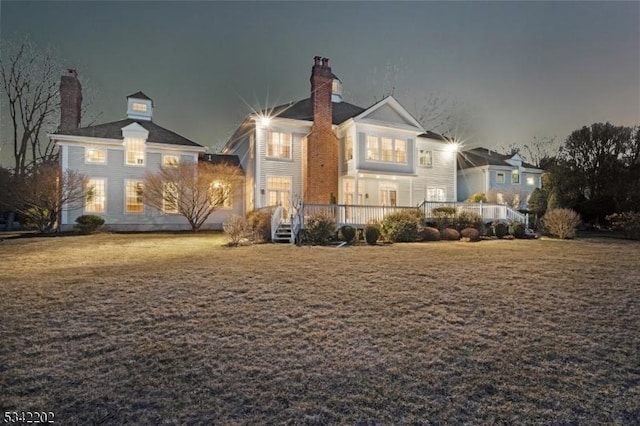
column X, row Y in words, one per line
column 30, row 91
column 193, row 190
column 445, row 115
column 41, row 194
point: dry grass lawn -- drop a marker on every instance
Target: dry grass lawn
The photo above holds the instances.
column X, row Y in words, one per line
column 176, row 329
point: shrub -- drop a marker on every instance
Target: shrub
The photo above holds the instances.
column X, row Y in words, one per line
column 37, row 218
column 259, row 224
column 443, row 216
column 88, row 223
column 450, row 234
column 500, row 230
column 235, row 228
column 371, row 233
column 627, row 222
column 401, row 226
column 347, row 233
column 517, row 229
column 478, row 197
column 467, row 219
column 471, row 233
column 430, row 234
column 320, row 228
column 561, row 223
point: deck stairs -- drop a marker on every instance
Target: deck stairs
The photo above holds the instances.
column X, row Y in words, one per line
column 283, row 233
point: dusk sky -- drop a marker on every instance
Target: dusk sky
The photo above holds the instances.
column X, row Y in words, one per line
column 521, row 69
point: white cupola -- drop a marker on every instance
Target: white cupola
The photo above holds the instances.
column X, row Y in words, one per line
column 139, row 107
column 336, row 90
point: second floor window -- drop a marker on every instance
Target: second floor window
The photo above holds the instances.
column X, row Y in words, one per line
column 386, row 149
column 515, row 177
column 95, row 155
column 426, row 158
column 220, row 194
column 134, row 151
column 170, row 160
column 499, row 177
column 279, row 145
column 348, row 148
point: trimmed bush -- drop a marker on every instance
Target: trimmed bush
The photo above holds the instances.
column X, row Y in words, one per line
column 517, row 229
column 347, row 233
column 235, row 228
column 88, row 223
column 561, row 223
column 627, row 222
column 259, row 223
column 402, row 226
column 467, row 219
column 430, row 234
column 478, row 197
column 371, row 234
column 450, row 234
column 471, row 233
column 500, row 230
column 320, row 228
column 443, row 216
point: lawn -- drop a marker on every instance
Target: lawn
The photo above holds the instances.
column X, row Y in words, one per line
column 175, row 328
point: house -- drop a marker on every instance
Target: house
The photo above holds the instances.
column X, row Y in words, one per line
column 502, row 178
column 115, row 157
column 323, row 151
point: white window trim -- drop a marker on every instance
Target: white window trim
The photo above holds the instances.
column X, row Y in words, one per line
column 228, row 202
column 393, row 150
column 87, row 161
column 126, row 152
column 498, row 174
column 126, row 183
column 516, row 172
column 170, row 155
column 268, row 134
column 420, row 154
column 106, row 199
column 436, row 189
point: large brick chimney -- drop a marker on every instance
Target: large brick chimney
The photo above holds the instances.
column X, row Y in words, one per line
column 321, row 150
column 70, row 100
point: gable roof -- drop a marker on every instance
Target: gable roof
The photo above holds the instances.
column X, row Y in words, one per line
column 303, row 110
column 113, row 130
column 478, row 157
column 139, row 95
column 232, row 160
column 396, row 107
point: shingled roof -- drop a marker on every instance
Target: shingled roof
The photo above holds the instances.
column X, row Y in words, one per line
column 139, row 95
column 478, row 157
column 113, row 130
column 303, row 110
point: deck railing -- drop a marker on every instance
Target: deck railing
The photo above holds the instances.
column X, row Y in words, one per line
column 276, row 219
column 488, row 211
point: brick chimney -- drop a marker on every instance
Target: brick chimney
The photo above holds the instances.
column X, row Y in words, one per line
column 70, row 100
column 321, row 150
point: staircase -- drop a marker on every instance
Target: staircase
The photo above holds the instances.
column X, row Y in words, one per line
column 282, row 234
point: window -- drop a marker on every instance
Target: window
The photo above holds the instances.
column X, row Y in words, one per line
column 133, row 197
column 388, row 195
column 95, row 196
column 386, row 149
column 401, row 151
column 499, row 177
column 436, row 194
column 170, row 160
column 515, row 177
column 95, row 155
column 426, row 158
column 139, row 107
column 134, row 148
column 349, row 191
column 348, row 148
column 372, row 148
column 279, row 145
column 220, row 194
column 531, row 180
column 279, row 191
column 170, row 196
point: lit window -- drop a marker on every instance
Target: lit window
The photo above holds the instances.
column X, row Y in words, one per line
column 170, row 198
column 515, row 177
column 348, row 148
column 401, row 151
column 139, row 107
column 134, row 151
column 220, row 194
column 170, row 160
column 426, row 158
column 387, row 149
column 95, row 196
column 373, row 152
column 95, row 155
column 133, row 197
column 531, row 180
column 499, row 177
column 388, row 195
column 279, row 145
column 436, row 194
column 279, row 191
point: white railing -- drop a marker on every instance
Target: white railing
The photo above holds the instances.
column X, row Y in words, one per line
column 276, row 219
column 358, row 216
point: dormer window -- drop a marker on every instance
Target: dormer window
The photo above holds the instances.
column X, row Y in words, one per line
column 336, row 90
column 139, row 107
column 515, row 177
column 134, row 148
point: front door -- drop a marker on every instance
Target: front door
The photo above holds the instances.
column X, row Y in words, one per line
column 279, row 193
